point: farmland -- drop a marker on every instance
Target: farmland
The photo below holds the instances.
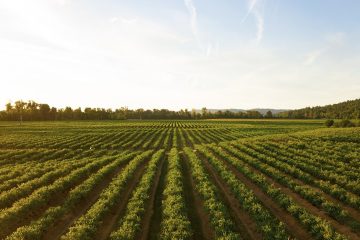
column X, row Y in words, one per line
column 218, row 179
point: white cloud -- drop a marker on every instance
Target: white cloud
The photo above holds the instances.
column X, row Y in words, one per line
column 193, row 16
column 206, row 48
column 336, row 39
column 260, row 26
column 113, row 19
column 256, row 8
column 332, row 42
column 311, row 57
column 48, row 52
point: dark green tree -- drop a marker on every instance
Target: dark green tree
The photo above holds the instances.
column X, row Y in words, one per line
column 329, row 122
column 269, row 114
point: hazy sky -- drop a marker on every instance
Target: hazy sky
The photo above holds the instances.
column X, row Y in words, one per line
column 180, row 53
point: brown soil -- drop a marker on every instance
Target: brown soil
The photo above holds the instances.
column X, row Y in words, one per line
column 111, row 219
column 161, row 143
column 154, row 223
column 186, row 137
column 152, row 138
column 200, row 221
column 338, row 226
column 246, row 226
column 298, row 199
column 151, row 207
column 354, row 213
column 61, row 226
column 55, row 200
column 196, row 141
column 169, row 143
column 179, row 140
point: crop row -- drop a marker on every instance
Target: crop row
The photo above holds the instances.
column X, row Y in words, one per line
column 318, row 227
column 220, row 219
column 37, row 228
column 130, row 223
column 286, row 166
column 43, row 195
column 86, row 226
column 270, row 227
column 175, row 222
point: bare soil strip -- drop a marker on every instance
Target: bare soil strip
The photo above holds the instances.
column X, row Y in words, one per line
column 246, row 226
column 292, row 225
column 55, row 200
column 354, row 213
column 154, row 223
column 151, row 205
column 162, row 142
column 186, row 137
column 179, row 140
column 169, row 143
column 111, row 219
column 61, row 226
column 199, row 219
column 338, row 226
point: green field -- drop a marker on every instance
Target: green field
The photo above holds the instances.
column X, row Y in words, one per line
column 218, row 179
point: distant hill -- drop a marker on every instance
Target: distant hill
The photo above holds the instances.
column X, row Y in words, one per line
column 263, row 111
column 344, row 110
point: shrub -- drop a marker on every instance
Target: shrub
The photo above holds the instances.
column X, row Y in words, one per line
column 345, row 123
column 329, row 122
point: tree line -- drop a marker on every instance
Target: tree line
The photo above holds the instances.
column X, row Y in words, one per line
column 32, row 111
column 344, row 110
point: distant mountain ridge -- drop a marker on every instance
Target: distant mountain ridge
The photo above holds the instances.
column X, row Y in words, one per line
column 344, row 110
column 263, row 111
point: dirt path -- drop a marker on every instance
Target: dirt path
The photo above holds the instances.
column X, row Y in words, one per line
column 339, row 227
column 151, row 207
column 199, row 219
column 61, row 226
column 291, row 223
column 246, row 226
column 187, row 139
column 55, row 200
column 179, row 140
column 161, row 143
column 154, row 223
column 342, row 228
column 111, row 219
column 354, row 213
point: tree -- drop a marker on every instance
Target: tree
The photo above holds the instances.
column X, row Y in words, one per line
column 204, row 112
column 77, row 114
column 68, row 113
column 193, row 113
column 253, row 114
column 269, row 114
column 345, row 123
column 140, row 111
column 124, row 111
column 44, row 110
column 9, row 107
column 19, row 107
column 329, row 122
column 53, row 113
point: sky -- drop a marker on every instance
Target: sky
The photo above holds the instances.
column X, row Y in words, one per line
column 179, row 54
